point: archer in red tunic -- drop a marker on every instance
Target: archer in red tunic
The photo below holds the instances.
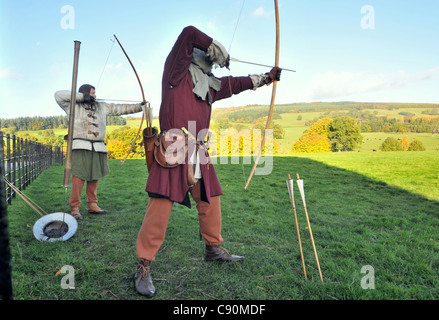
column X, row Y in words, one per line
column 188, row 91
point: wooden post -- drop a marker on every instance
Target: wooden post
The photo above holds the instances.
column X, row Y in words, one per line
column 68, row 166
column 6, row 288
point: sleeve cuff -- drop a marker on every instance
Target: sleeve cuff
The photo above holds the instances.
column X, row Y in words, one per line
column 258, row 80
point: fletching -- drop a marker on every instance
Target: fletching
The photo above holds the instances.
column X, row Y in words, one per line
column 301, row 190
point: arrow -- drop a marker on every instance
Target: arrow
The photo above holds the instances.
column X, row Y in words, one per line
column 301, row 190
column 119, row 100
column 302, row 193
column 258, row 64
column 291, row 193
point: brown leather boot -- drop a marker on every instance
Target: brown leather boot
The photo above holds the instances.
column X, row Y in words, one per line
column 93, row 208
column 220, row 254
column 75, row 213
column 143, row 280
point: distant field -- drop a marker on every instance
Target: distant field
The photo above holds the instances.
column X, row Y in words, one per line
column 395, row 112
column 39, row 133
column 373, row 140
column 133, row 123
column 294, row 129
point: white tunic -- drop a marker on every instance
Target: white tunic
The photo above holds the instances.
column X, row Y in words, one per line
column 90, row 123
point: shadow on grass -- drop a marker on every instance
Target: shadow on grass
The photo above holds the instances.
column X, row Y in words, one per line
column 356, row 222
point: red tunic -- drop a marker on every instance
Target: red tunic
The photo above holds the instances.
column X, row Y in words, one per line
column 180, row 106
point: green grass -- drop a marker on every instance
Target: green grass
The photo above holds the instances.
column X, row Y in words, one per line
column 415, row 171
column 378, row 209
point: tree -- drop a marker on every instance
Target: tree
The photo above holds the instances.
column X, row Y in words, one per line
column 117, row 149
column 405, row 144
column 27, row 136
column 278, row 130
column 233, row 143
column 127, row 135
column 37, row 125
column 391, row 144
column 49, row 138
column 11, row 130
column 315, row 139
column 434, row 127
column 221, row 123
column 344, row 134
column 416, row 145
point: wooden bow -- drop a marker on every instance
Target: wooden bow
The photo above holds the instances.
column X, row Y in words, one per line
column 273, row 95
column 148, row 120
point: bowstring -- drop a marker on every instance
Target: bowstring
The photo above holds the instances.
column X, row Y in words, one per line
column 105, row 64
column 236, row 26
column 231, row 41
column 228, row 77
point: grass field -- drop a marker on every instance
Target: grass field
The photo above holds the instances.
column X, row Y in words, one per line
column 377, row 210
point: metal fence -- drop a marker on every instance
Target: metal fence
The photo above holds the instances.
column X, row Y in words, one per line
column 23, row 160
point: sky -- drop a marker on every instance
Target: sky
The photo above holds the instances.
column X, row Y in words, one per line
column 342, row 50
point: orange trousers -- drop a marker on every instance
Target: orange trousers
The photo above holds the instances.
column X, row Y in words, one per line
column 155, row 222
column 77, row 186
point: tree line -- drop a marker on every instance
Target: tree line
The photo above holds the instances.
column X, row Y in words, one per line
column 248, row 114
column 372, row 122
column 392, row 144
column 337, row 129
column 37, row 123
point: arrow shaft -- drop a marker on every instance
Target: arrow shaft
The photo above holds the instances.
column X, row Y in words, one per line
column 136, row 101
column 309, row 228
column 258, row 64
column 290, row 189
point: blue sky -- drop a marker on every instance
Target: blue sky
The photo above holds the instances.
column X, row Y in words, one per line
column 342, row 50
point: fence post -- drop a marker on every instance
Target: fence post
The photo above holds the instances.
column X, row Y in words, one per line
column 2, row 155
column 32, row 155
column 20, row 164
column 26, row 158
column 14, row 163
column 6, row 292
column 8, row 159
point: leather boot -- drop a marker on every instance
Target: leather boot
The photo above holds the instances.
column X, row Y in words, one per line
column 75, row 213
column 220, row 254
column 143, row 280
column 93, row 208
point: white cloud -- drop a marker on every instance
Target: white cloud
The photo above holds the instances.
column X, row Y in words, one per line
column 110, row 66
column 333, row 85
column 7, row 73
column 213, row 24
column 260, row 12
column 56, row 70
